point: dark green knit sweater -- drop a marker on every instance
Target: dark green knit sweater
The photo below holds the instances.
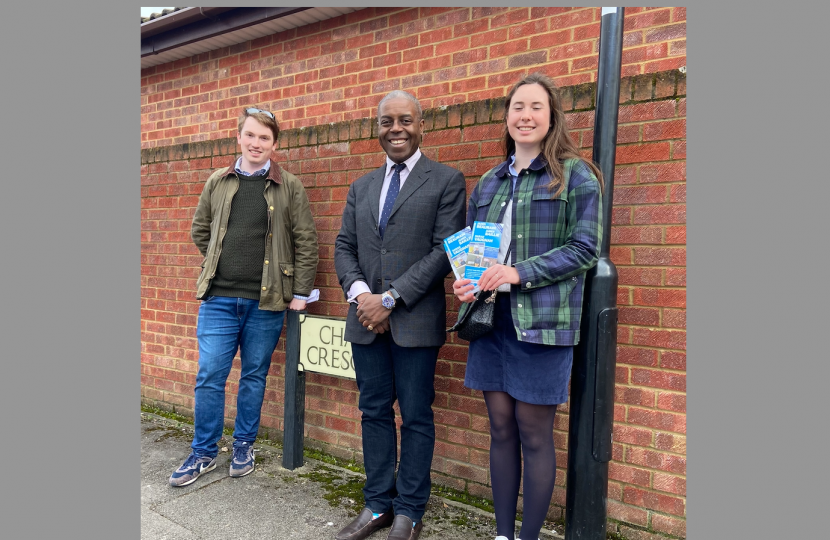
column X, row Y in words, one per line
column 239, row 270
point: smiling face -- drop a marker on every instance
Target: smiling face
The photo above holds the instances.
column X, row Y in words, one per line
column 257, row 143
column 400, row 129
column 528, row 118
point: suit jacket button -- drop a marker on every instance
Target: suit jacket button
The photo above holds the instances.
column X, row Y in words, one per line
column 383, row 252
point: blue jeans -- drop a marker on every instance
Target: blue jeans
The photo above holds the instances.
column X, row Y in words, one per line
column 385, row 372
column 225, row 325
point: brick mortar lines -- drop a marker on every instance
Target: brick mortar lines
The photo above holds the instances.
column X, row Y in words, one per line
column 629, row 89
column 293, row 36
column 651, row 87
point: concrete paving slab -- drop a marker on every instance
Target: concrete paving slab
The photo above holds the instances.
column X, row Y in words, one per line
column 309, row 503
column 256, row 506
column 157, row 527
column 163, row 449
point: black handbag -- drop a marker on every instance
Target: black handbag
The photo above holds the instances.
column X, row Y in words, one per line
column 478, row 319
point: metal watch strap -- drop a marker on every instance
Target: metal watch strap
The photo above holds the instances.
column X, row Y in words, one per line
column 383, row 300
column 395, row 296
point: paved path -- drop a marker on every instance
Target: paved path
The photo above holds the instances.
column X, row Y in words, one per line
column 270, row 503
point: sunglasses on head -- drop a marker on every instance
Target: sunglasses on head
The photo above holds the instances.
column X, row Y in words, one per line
column 253, row 110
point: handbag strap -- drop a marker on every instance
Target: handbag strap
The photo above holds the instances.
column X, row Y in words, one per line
column 507, row 255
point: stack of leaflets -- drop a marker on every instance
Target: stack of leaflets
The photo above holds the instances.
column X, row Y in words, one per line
column 456, row 248
column 473, row 252
column 483, row 251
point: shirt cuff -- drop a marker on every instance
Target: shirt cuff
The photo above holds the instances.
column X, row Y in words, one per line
column 357, row 288
column 526, row 276
column 301, row 297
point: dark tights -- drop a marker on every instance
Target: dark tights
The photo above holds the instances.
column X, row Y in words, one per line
column 516, row 429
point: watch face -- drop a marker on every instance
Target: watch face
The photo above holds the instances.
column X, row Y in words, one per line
column 387, row 301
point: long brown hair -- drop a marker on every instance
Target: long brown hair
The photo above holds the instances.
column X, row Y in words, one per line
column 557, row 145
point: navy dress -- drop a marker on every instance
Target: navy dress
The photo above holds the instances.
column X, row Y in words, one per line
column 528, row 372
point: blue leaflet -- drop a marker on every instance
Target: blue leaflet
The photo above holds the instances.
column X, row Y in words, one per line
column 483, row 250
column 456, row 248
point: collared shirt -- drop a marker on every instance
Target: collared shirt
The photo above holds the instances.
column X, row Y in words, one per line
column 359, row 287
column 555, row 241
column 413, row 159
column 262, row 172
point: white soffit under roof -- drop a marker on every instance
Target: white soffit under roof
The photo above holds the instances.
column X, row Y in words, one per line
column 273, row 26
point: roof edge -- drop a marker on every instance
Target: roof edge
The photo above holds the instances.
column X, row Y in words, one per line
column 194, row 25
column 179, row 17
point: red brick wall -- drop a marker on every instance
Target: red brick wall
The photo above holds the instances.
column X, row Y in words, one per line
column 647, row 474
column 339, row 69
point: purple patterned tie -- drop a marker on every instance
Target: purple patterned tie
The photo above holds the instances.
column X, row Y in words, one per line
column 391, row 195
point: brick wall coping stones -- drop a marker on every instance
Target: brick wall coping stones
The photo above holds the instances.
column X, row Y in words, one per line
column 633, row 90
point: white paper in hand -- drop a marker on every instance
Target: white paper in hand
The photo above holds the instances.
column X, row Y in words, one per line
column 314, row 296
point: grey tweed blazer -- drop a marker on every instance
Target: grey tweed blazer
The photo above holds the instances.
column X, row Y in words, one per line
column 430, row 207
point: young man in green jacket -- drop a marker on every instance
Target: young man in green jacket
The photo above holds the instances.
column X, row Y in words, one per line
column 254, row 227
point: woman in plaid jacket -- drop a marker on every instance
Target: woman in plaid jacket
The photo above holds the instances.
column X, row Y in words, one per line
column 548, row 199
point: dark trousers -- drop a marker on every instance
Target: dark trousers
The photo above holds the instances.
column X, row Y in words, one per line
column 386, row 372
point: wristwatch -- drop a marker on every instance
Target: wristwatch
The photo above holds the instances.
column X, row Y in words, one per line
column 390, row 298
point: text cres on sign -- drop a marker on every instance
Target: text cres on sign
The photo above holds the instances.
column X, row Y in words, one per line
column 323, row 348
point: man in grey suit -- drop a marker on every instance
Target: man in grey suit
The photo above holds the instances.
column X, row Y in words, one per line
column 391, row 264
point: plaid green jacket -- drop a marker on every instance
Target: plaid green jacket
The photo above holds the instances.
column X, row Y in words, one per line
column 554, row 243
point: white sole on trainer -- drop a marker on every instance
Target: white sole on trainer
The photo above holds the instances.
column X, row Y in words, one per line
column 203, row 471
column 243, row 474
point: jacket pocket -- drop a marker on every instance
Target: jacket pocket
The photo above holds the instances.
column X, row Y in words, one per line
column 287, row 276
column 483, row 206
column 542, row 199
column 551, row 217
column 566, row 289
column 203, row 277
column 542, row 194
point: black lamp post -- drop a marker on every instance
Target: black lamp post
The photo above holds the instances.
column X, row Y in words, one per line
column 595, row 358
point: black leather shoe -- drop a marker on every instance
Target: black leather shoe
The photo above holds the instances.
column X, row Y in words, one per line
column 402, row 529
column 363, row 525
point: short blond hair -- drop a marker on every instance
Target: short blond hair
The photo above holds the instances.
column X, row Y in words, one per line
column 263, row 118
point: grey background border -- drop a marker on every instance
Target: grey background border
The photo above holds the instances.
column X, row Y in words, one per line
column 70, row 390
column 756, row 467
